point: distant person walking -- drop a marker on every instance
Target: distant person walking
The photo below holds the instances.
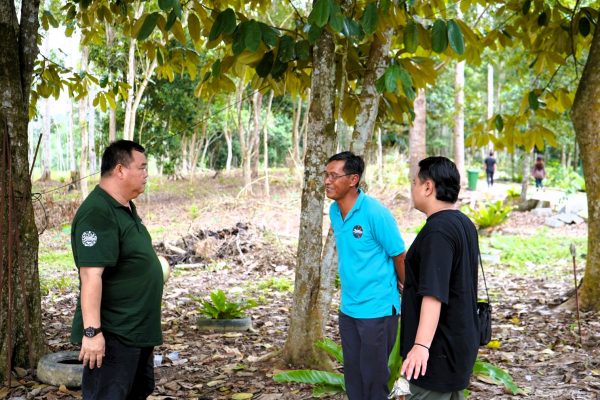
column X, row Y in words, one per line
column 490, row 168
column 539, row 172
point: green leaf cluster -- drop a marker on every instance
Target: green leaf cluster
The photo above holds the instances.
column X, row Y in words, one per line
column 490, row 215
column 219, row 307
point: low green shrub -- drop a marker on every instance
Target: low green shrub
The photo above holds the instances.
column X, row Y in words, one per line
column 219, row 307
column 279, row 284
column 486, row 216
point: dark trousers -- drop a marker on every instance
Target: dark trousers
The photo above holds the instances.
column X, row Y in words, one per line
column 367, row 344
column 490, row 177
column 538, row 183
column 127, row 373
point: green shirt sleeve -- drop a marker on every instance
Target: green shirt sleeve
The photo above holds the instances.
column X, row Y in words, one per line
column 96, row 240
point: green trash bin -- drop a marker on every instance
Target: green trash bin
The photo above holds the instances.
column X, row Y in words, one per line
column 472, row 175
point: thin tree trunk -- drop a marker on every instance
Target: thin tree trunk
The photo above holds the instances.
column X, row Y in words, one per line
column 305, row 124
column 244, row 143
column 296, row 134
column 130, row 90
column 46, row 142
column 228, row 138
column 138, row 96
column 257, row 107
column 586, row 120
column 306, row 316
column 459, row 121
column 92, row 136
column 266, row 145
column 417, row 134
column 83, row 160
column 369, row 97
column 341, row 127
column 526, row 172
column 21, row 332
column 112, row 113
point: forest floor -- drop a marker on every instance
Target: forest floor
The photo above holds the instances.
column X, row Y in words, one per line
column 246, row 245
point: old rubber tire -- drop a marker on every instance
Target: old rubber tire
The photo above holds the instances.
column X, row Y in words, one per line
column 61, row 368
column 224, row 325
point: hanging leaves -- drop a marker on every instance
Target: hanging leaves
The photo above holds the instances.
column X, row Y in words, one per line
column 287, row 49
column 266, row 63
column 499, row 122
column 147, row 26
column 336, row 18
column 534, row 102
column 411, row 36
column 320, row 13
column 455, row 37
column 439, row 36
column 584, row 26
column 194, row 27
column 369, row 19
column 224, row 23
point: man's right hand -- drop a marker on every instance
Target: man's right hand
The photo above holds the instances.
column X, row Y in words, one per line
column 92, row 351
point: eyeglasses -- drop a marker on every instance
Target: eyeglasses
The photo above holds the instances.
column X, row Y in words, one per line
column 333, row 176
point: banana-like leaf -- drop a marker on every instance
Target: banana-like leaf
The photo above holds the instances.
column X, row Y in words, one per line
column 332, row 348
column 312, row 377
column 497, row 374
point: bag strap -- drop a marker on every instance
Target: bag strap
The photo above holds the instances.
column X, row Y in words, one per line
column 479, row 256
column 483, row 274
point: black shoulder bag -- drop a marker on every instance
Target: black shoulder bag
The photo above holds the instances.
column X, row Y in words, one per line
column 484, row 312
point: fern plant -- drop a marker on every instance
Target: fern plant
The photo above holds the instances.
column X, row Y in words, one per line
column 219, row 307
column 492, row 214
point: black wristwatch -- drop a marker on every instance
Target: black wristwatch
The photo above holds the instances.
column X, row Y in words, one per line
column 90, row 331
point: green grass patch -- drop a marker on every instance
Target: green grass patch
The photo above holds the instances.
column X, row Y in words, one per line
column 279, row 284
column 56, row 261
column 520, row 252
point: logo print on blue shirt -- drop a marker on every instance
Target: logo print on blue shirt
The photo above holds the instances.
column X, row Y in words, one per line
column 357, row 231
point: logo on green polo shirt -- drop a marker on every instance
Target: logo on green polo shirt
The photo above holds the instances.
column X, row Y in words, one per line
column 89, row 238
column 357, row 231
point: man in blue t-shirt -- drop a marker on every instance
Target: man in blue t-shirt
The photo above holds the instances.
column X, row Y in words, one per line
column 371, row 266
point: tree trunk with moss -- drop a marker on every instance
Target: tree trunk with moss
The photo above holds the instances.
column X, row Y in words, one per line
column 306, row 317
column 21, row 335
column 586, row 120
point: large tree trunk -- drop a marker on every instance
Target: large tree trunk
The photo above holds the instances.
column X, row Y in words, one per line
column 83, row 160
column 417, row 134
column 306, row 316
column 21, row 335
column 586, row 121
column 459, row 120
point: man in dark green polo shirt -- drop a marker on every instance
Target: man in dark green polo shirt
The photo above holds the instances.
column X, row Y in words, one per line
column 117, row 320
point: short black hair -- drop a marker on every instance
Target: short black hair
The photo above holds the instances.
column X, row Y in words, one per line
column 491, row 152
column 444, row 174
column 118, row 152
column 353, row 164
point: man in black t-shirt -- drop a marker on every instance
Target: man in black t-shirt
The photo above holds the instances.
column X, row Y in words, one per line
column 490, row 168
column 439, row 331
